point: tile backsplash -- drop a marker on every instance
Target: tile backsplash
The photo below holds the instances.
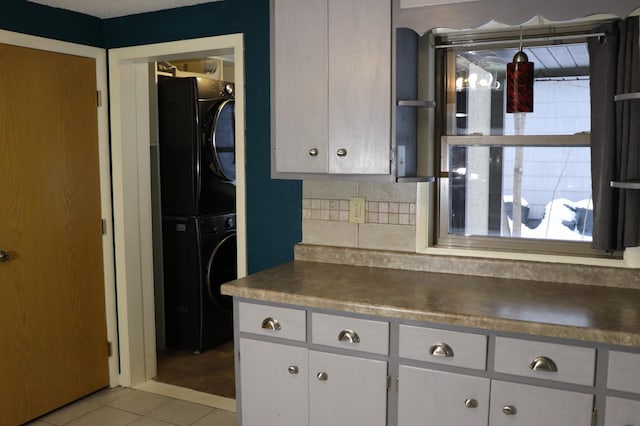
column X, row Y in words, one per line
column 382, row 212
column 390, row 215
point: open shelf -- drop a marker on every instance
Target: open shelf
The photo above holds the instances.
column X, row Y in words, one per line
column 416, row 103
column 627, row 97
column 630, row 184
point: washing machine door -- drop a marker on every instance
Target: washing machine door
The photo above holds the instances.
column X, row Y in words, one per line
column 222, row 140
column 222, row 268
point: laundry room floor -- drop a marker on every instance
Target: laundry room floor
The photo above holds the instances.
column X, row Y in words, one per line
column 211, row 371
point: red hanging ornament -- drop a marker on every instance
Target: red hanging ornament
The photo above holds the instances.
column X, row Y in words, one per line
column 520, row 84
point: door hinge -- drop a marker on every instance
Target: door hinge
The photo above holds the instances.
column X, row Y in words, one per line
column 388, row 382
column 99, row 97
column 594, row 417
column 109, row 349
column 104, row 226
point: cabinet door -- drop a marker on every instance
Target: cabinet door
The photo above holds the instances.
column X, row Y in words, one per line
column 514, row 404
column 274, row 384
column 440, row 398
column 300, row 96
column 622, row 412
column 360, row 86
column 346, row 391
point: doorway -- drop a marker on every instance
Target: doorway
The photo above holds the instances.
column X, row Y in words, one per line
column 130, row 95
column 193, row 207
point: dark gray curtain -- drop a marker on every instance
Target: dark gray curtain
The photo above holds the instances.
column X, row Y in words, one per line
column 615, row 134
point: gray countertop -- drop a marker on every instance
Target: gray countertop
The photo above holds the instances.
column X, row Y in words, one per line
column 581, row 312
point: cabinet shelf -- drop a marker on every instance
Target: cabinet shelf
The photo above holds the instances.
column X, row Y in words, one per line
column 416, row 103
column 627, row 97
column 629, row 184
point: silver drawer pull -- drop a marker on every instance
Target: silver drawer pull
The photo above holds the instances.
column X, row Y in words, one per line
column 509, row 410
column 342, row 152
column 271, row 324
column 542, row 363
column 349, row 336
column 293, row 369
column 322, row 376
column 471, row 403
column 441, row 350
column 313, row 152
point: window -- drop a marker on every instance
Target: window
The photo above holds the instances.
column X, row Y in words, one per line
column 514, row 181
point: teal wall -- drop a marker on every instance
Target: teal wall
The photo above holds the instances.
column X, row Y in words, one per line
column 274, row 217
column 29, row 18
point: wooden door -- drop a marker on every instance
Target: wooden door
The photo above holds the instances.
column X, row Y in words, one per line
column 53, row 345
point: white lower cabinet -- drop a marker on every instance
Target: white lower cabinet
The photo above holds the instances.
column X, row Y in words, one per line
column 515, row 404
column 622, row 412
column 284, row 385
column 346, row 390
column 274, row 382
column 429, row 397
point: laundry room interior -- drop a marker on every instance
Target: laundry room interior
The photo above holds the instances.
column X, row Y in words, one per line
column 194, row 220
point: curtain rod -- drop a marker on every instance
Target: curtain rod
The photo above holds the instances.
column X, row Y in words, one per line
column 525, row 40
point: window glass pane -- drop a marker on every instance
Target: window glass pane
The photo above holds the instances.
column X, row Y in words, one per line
column 553, row 183
column 561, row 92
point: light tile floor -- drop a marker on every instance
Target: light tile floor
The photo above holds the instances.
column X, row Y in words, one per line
column 125, row 406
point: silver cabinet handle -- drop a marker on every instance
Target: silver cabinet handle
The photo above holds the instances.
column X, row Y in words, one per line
column 441, row 350
column 509, row 410
column 271, row 324
column 471, row 403
column 313, row 152
column 349, row 336
column 322, row 376
column 542, row 363
column 342, row 152
column 293, row 369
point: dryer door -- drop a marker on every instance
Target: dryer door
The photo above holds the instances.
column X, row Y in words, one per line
column 222, row 268
column 222, row 140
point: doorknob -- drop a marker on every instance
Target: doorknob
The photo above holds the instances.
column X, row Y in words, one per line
column 4, row 256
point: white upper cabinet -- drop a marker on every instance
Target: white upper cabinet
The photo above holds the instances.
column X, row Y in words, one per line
column 331, row 92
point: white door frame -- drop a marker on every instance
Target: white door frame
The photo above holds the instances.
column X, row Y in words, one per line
column 130, row 149
column 100, row 56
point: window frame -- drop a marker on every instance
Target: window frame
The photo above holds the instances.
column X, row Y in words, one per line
column 438, row 235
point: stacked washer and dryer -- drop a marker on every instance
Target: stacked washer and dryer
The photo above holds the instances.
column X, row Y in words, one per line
column 196, row 119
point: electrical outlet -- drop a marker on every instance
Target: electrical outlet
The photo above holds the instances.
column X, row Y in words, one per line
column 356, row 209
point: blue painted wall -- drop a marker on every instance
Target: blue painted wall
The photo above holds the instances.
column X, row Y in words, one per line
column 274, row 217
column 274, row 214
column 30, row 18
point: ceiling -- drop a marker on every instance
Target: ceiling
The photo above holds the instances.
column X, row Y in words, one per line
column 114, row 8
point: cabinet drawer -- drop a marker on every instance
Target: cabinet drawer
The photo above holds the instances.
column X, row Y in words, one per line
column 350, row 333
column 286, row 323
column 622, row 412
column 443, row 347
column 624, row 374
column 572, row 364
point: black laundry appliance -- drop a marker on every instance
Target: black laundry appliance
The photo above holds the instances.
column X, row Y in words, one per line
column 199, row 256
column 196, row 122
